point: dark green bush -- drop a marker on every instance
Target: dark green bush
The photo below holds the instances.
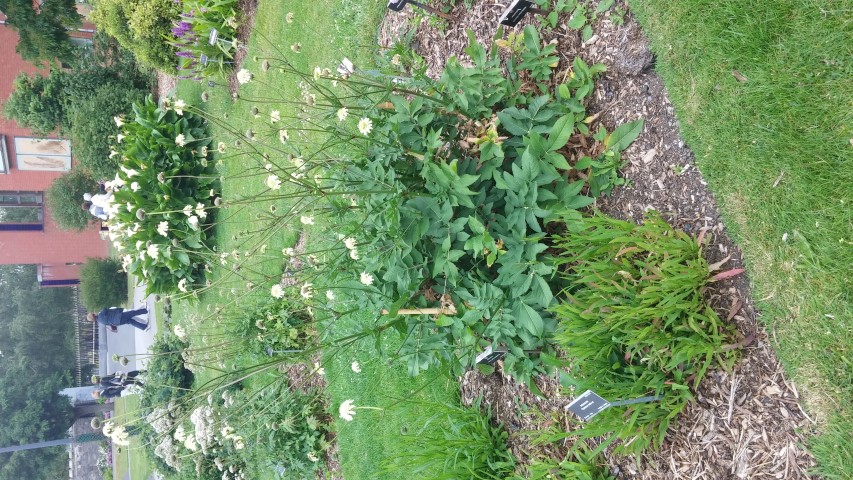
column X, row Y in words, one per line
column 36, row 102
column 167, row 375
column 634, row 322
column 141, row 26
column 102, row 284
column 65, row 196
column 93, row 130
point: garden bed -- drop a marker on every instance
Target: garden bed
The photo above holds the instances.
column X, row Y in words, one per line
column 746, row 423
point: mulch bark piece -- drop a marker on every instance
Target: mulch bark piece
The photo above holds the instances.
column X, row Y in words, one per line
column 747, row 423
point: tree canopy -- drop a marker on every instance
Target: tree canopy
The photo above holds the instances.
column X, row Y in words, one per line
column 31, row 375
column 43, row 33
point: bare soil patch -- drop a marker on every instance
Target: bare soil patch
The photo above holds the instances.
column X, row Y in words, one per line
column 746, row 423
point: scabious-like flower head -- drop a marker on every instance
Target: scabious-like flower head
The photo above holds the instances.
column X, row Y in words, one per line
column 273, row 182
column 347, row 410
column 342, row 114
column 180, row 140
column 365, row 126
column 244, row 76
column 277, row 291
column 356, row 367
column 366, row 278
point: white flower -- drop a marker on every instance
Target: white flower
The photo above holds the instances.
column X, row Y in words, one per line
column 366, row 278
column 135, row 186
column 289, row 17
column 182, row 285
column 346, row 67
column 128, row 171
column 283, row 135
column 119, row 121
column 238, row 443
column 306, row 220
column 273, row 182
column 317, row 73
column 342, row 114
column 153, row 251
column 349, row 242
column 330, row 295
column 119, row 138
column 307, row 291
column 353, row 254
column 244, row 76
column 193, row 222
column 395, row 60
column 139, row 245
column 356, row 367
column 320, row 370
column 180, row 332
column 313, row 457
column 180, row 435
column 277, row 291
column 346, row 410
column 180, row 140
column 275, row 116
column 288, row 252
column 188, row 210
column 163, row 228
column 190, row 443
column 200, row 211
column 179, row 106
column 220, row 147
column 365, row 125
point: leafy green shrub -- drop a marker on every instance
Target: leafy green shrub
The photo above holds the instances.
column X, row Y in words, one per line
column 103, row 284
column 141, row 26
column 65, row 196
column 470, row 447
column 35, row 103
column 274, row 326
column 284, row 427
column 634, row 322
column 93, row 130
column 163, row 197
column 577, row 465
column 461, row 186
column 191, row 37
column 167, row 377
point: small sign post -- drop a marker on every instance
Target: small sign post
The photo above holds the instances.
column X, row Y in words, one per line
column 490, row 355
column 589, row 404
column 397, row 6
column 517, row 10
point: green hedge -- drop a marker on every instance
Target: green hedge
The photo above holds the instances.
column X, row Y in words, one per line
column 65, row 196
column 141, row 26
column 102, row 284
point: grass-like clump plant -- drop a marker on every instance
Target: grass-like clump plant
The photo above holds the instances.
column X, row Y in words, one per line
column 634, row 322
column 468, row 447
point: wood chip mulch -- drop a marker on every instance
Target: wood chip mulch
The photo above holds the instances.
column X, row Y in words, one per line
column 747, row 423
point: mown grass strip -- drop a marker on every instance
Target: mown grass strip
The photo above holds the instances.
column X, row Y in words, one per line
column 763, row 93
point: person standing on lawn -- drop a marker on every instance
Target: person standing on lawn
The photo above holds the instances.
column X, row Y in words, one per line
column 114, row 317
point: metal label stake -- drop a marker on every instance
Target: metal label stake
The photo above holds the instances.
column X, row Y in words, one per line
column 397, row 6
column 589, row 404
column 517, row 10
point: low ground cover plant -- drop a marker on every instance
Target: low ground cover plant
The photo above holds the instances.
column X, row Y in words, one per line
column 163, row 196
column 633, row 322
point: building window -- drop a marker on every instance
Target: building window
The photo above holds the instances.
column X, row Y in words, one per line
column 45, row 154
column 4, row 156
column 21, row 210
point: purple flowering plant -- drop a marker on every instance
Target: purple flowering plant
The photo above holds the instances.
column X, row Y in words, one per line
column 205, row 37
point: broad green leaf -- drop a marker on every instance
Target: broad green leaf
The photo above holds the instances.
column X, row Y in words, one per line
column 529, row 319
column 560, row 133
column 624, row 135
column 603, row 6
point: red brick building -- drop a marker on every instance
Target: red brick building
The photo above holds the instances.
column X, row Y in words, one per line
column 28, row 165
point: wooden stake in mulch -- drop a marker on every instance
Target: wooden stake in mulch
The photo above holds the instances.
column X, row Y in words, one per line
column 398, row 5
column 517, row 10
column 590, row 404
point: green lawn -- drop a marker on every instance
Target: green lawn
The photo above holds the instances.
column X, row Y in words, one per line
column 348, row 30
column 134, row 456
column 788, row 122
